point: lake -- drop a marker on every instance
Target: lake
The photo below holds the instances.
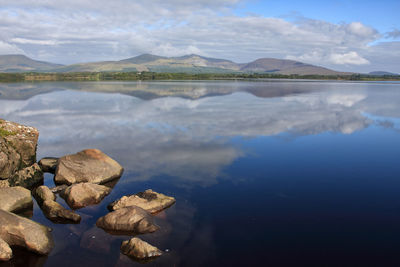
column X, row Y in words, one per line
column 265, row 172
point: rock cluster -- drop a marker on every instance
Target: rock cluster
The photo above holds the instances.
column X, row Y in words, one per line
column 81, row 180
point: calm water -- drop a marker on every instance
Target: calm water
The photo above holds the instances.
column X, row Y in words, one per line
column 268, row 173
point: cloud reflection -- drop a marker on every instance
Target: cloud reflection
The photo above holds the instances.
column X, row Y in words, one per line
column 187, row 138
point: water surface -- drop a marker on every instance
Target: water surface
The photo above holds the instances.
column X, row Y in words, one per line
column 269, row 173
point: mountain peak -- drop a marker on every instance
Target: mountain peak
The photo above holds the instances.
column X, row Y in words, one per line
column 143, row 58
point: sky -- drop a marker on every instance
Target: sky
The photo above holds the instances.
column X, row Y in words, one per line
column 345, row 35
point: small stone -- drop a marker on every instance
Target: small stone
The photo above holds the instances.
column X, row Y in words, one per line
column 57, row 213
column 148, row 200
column 14, row 199
column 139, row 249
column 48, row 164
column 43, row 193
column 58, row 189
column 90, row 165
column 5, row 251
column 84, row 194
column 128, row 220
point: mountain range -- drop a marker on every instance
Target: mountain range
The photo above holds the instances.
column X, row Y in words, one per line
column 186, row 64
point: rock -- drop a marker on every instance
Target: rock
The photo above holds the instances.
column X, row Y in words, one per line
column 84, row 194
column 14, row 199
column 5, row 251
column 128, row 220
column 90, row 165
column 48, row 164
column 139, row 249
column 4, row 183
column 58, row 189
column 19, row 231
column 43, row 193
column 17, row 147
column 58, row 214
column 98, row 241
column 28, row 177
column 148, row 200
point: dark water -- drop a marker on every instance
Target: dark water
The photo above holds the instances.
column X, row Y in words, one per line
column 266, row 173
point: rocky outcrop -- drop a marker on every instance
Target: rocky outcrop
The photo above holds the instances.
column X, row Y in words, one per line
column 48, row 164
column 139, row 249
column 19, row 231
column 148, row 200
column 17, row 147
column 84, row 194
column 5, row 251
column 58, row 214
column 129, row 220
column 14, row 199
column 90, row 165
column 28, row 177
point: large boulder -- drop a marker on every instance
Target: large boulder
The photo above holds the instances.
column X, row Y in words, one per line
column 28, row 177
column 14, row 199
column 90, row 165
column 17, row 147
column 84, row 194
column 139, row 249
column 48, row 164
column 5, row 251
column 148, row 200
column 19, row 231
column 58, row 214
column 129, row 220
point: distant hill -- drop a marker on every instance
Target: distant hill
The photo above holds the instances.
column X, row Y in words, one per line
column 184, row 64
column 382, row 73
column 21, row 63
column 283, row 66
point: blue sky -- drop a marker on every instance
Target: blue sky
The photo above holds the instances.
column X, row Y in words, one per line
column 359, row 36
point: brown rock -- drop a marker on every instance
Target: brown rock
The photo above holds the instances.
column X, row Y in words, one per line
column 90, row 165
column 28, row 177
column 58, row 189
column 84, row 194
column 14, row 199
column 4, row 184
column 128, row 220
column 58, row 214
column 17, row 147
column 5, row 251
column 43, row 193
column 148, row 200
column 19, row 231
column 139, row 249
column 48, row 164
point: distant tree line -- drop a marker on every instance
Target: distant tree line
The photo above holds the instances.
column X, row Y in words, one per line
column 135, row 76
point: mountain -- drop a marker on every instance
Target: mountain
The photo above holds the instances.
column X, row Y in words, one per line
column 382, row 73
column 186, row 64
column 21, row 63
column 283, row 66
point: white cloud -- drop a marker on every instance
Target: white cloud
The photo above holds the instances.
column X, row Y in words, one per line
column 6, row 48
column 351, row 58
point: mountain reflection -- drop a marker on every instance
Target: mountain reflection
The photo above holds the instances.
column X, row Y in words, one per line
column 190, row 136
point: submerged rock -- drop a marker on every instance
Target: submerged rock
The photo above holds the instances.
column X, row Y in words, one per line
column 28, row 177
column 148, row 200
column 14, row 199
column 48, row 164
column 17, row 147
column 43, row 193
column 139, row 249
column 84, row 194
column 5, row 251
column 58, row 214
column 90, row 165
column 19, row 231
column 128, row 220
